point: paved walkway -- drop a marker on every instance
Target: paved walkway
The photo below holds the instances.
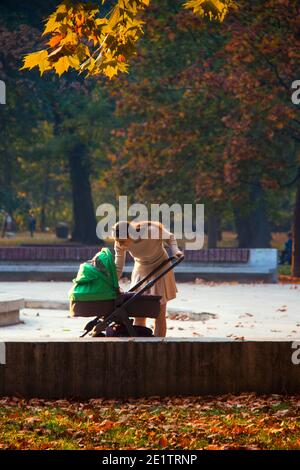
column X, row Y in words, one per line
column 252, row 311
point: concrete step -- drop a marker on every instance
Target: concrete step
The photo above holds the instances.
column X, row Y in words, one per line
column 186, row 271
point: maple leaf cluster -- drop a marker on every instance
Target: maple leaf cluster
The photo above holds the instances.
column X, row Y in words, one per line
column 84, row 38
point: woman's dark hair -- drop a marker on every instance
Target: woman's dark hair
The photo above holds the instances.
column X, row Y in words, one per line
column 123, row 226
column 117, row 229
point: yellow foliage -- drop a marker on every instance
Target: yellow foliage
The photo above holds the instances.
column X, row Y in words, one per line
column 37, row 59
column 55, row 40
column 110, row 71
column 80, row 38
column 64, row 63
column 212, row 9
column 52, row 25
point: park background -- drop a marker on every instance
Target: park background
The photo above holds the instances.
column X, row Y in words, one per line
column 204, row 116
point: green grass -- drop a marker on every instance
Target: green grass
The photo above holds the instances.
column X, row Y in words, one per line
column 226, row 422
column 229, row 239
column 20, row 238
column 284, row 270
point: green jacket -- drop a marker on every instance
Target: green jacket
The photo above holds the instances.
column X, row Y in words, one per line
column 96, row 279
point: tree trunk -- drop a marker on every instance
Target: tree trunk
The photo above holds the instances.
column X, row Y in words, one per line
column 252, row 226
column 45, row 195
column 8, row 190
column 220, row 233
column 212, row 230
column 243, row 228
column 84, row 220
column 296, row 235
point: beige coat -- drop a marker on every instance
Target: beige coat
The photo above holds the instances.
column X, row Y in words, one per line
column 148, row 254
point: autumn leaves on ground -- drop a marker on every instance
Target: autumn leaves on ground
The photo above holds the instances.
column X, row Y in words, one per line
column 239, row 422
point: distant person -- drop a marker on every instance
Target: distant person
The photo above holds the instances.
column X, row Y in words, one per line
column 31, row 224
column 286, row 254
column 7, row 225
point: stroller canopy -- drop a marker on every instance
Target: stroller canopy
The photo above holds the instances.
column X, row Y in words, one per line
column 96, row 279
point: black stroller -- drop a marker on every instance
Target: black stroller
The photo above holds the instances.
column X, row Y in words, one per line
column 128, row 304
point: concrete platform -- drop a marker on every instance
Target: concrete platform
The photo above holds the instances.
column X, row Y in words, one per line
column 252, row 311
column 121, row 368
column 10, row 309
column 262, row 266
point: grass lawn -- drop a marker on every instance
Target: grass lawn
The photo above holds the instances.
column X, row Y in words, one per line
column 284, row 270
column 243, row 421
column 229, row 239
column 20, row 238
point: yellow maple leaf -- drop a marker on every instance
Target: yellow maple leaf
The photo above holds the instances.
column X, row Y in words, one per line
column 51, row 25
column 62, row 65
column 110, row 71
column 70, row 38
column 37, row 59
column 101, row 21
column 213, row 9
column 74, row 61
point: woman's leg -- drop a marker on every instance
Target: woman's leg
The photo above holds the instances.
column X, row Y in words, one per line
column 160, row 329
column 161, row 322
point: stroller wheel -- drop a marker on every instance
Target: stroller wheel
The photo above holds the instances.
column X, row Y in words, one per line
column 97, row 331
column 90, row 325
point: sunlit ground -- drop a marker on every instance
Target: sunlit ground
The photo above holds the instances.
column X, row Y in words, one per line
column 239, row 422
column 201, row 310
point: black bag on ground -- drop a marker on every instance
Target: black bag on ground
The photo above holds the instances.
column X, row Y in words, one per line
column 120, row 331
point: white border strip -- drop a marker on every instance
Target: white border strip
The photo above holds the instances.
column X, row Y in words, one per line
column 2, row 353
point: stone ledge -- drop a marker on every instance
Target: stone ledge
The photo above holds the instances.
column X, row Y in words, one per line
column 59, row 273
column 10, row 302
column 121, row 368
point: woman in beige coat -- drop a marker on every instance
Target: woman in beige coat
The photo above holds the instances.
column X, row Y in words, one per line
column 148, row 252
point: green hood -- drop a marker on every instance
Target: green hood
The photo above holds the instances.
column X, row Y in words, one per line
column 96, row 279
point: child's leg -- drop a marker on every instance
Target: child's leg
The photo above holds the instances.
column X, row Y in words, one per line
column 161, row 322
column 140, row 321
